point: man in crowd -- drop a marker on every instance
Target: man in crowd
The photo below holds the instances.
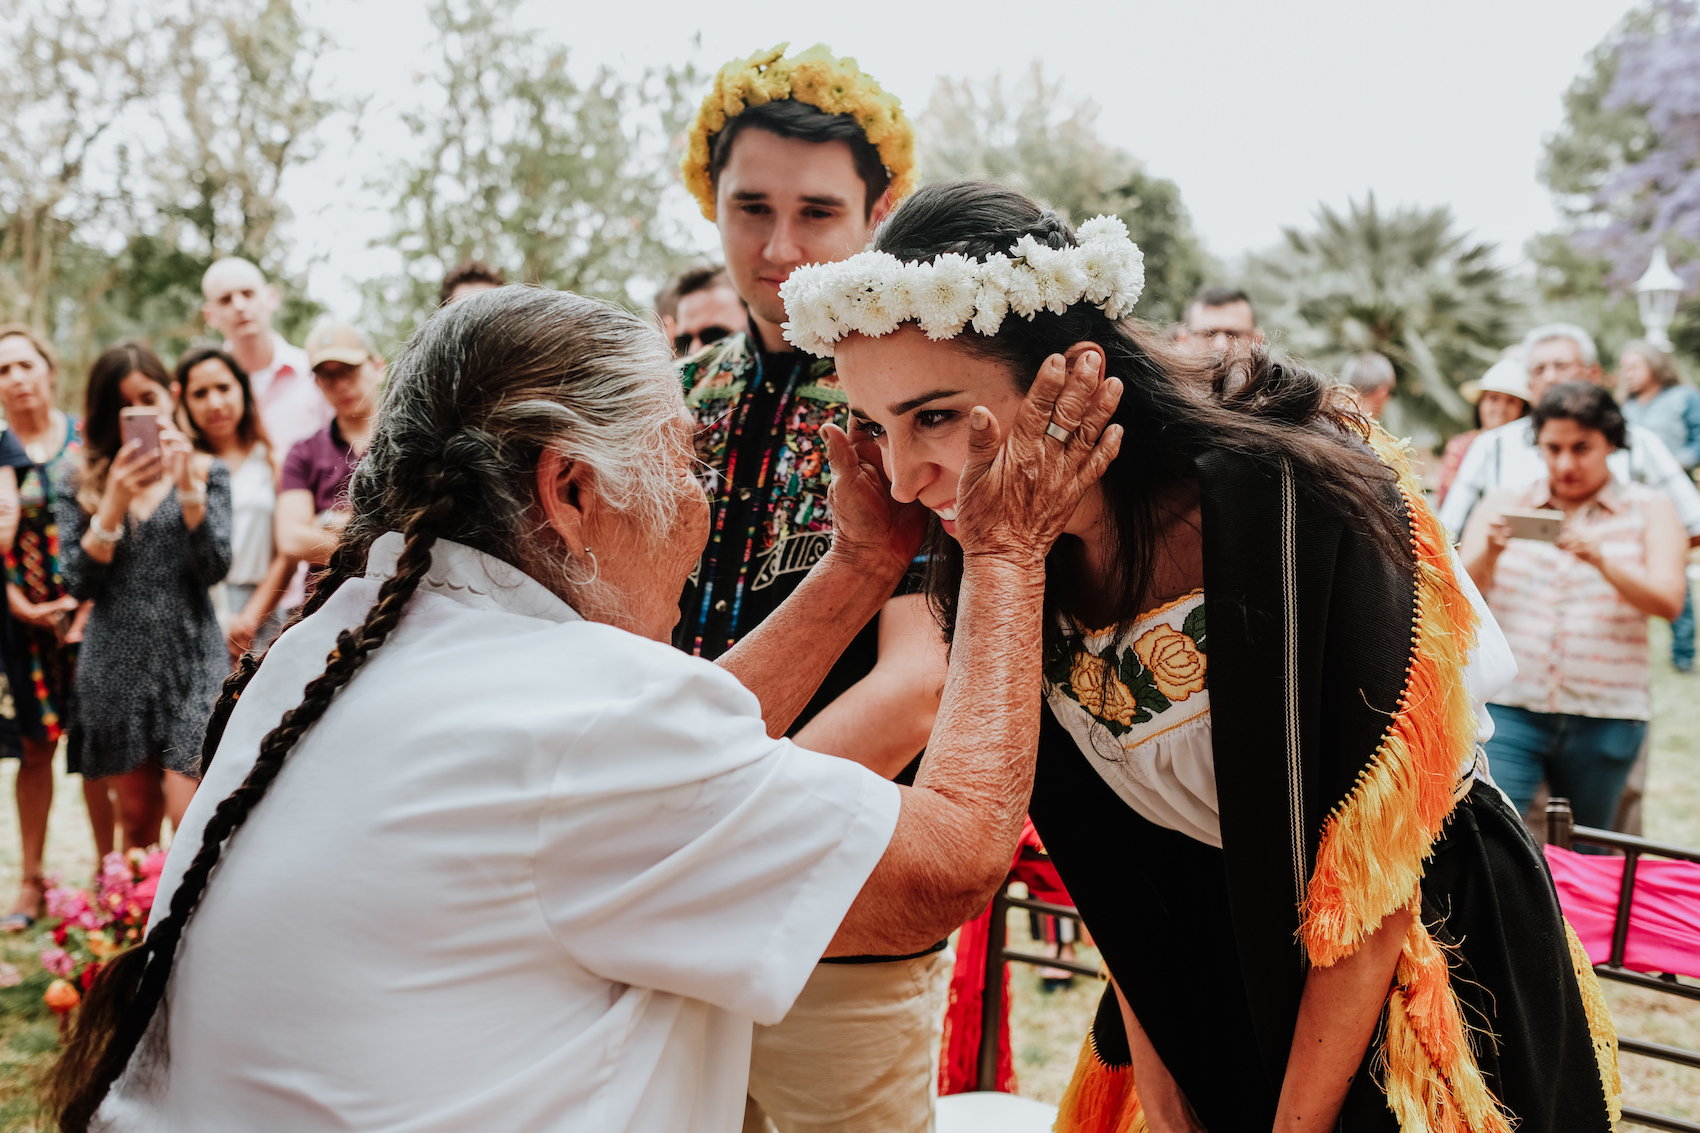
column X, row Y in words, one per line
column 1371, row 377
column 790, row 184
column 1218, row 319
column 1508, row 456
column 708, row 309
column 468, row 277
column 240, row 305
column 312, row 502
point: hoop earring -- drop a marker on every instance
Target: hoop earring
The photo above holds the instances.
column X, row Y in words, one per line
column 596, row 568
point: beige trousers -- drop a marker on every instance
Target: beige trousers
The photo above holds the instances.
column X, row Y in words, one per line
column 857, row 1053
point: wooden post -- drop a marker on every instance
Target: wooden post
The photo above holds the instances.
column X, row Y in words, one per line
column 1561, row 822
column 991, row 991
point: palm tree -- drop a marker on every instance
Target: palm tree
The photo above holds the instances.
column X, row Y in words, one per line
column 1405, row 284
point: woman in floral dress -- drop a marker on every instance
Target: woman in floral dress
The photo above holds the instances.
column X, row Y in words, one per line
column 41, row 650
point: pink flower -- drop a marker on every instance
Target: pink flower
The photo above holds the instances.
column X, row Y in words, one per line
column 66, row 903
column 154, row 864
column 114, row 871
column 10, row 976
column 143, row 893
column 58, row 961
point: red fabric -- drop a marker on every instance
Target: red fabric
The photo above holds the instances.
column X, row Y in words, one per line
column 1664, row 918
column 959, row 1058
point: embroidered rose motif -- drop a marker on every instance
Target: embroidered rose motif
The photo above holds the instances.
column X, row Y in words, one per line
column 1100, row 692
column 1173, row 660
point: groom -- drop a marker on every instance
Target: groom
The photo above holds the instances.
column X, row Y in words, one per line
column 788, row 182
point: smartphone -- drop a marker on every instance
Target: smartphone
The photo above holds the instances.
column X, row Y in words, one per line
column 1543, row 524
column 139, row 424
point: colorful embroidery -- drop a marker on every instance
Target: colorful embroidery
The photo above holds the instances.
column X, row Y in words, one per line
column 1144, row 687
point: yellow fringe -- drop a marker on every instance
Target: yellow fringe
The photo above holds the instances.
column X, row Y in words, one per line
column 1600, row 1026
column 1374, row 846
column 1432, row 1081
column 1099, row 1099
column 1375, row 843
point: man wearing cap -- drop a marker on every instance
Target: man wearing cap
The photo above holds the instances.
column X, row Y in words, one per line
column 1500, row 397
column 239, row 304
column 312, row 504
column 1508, row 457
column 796, row 160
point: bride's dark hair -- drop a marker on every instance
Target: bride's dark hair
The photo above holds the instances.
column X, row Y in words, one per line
column 1174, row 409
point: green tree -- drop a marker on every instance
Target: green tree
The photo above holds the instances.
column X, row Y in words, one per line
column 137, row 146
column 1036, row 141
column 73, row 71
column 552, row 180
column 1404, row 283
column 1617, row 182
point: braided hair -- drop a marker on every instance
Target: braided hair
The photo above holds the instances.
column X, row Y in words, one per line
column 472, row 402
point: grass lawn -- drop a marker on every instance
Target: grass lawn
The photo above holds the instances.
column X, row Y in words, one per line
column 1046, row 1028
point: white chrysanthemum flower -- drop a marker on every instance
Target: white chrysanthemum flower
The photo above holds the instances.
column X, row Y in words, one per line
column 806, row 340
column 1108, row 229
column 943, row 293
column 1130, row 283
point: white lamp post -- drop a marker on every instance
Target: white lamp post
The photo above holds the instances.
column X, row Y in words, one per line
column 1657, row 293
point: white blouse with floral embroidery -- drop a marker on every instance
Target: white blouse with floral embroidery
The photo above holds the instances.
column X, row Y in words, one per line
column 1137, row 703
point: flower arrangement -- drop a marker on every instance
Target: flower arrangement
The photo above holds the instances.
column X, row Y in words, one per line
column 95, row 926
column 834, row 86
column 872, row 293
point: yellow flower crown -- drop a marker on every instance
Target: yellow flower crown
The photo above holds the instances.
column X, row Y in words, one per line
column 835, row 86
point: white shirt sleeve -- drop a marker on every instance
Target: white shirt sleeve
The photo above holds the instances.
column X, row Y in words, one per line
column 687, row 851
column 1661, row 471
column 1471, row 483
column 1492, row 665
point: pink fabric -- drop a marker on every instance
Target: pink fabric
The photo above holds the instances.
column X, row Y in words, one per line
column 1664, row 919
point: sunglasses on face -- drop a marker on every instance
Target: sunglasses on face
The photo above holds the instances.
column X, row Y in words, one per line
column 689, row 344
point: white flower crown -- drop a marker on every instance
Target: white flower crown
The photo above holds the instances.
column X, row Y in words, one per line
column 872, row 293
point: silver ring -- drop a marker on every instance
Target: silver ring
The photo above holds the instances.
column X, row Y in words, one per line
column 1057, row 433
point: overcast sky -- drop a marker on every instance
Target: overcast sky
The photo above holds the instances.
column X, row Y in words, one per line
column 1258, row 110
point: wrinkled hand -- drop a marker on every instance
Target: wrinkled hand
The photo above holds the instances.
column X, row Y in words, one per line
column 1584, row 548
column 867, row 524
column 1017, row 493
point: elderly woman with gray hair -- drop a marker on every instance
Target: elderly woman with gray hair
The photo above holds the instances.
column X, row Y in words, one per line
column 478, row 849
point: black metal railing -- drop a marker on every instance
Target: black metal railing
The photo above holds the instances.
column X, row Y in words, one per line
column 997, row 954
column 1563, row 832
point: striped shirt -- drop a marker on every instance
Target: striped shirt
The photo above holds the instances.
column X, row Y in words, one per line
column 1581, row 649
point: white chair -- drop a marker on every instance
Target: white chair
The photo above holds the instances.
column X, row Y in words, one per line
column 989, row 1112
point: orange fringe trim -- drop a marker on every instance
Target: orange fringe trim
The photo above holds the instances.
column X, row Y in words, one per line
column 1099, row 1099
column 1600, row 1026
column 1374, row 845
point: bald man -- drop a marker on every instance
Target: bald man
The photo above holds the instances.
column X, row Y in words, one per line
column 240, row 305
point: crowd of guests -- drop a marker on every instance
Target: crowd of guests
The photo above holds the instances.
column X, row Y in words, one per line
column 140, row 568
column 533, row 490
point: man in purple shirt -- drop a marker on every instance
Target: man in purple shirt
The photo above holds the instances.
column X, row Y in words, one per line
column 312, row 501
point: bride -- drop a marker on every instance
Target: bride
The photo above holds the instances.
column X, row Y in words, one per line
column 1259, row 772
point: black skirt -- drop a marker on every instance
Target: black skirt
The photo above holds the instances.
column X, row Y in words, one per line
column 1157, row 905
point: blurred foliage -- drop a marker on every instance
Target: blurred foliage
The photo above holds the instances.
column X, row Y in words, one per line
column 1405, row 283
column 1028, row 136
column 553, row 181
column 137, row 145
column 1625, row 171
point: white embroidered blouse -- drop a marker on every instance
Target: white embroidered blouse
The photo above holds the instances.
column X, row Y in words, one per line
column 1143, row 719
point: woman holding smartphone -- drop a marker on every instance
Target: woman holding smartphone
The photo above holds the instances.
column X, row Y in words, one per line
column 1575, row 609
column 145, row 523
column 220, row 418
